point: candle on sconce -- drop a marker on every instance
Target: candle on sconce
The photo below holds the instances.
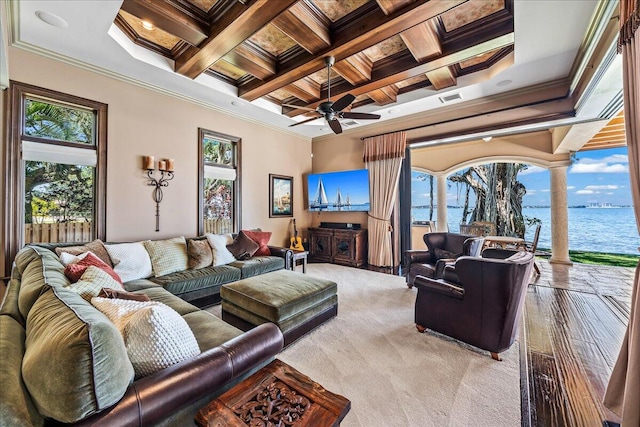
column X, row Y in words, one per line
column 147, row 161
column 170, row 165
column 162, row 165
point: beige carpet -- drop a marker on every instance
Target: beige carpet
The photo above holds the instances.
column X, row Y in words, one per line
column 394, row 376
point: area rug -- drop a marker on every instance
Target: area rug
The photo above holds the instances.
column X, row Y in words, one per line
column 372, row 354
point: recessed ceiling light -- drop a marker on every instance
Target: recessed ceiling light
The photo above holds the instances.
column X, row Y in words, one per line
column 504, row 83
column 147, row 25
column 51, row 19
column 487, row 138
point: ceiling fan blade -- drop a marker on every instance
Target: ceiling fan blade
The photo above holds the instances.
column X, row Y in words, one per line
column 305, row 121
column 299, row 107
column 335, row 126
column 361, row 116
column 343, row 102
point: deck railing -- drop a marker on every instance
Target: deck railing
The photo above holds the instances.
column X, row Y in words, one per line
column 58, row 232
column 218, row 225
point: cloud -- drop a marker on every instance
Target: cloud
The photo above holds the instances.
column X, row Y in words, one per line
column 531, row 192
column 585, row 192
column 532, row 169
column 601, row 187
column 614, row 158
column 571, row 187
column 599, row 168
column 545, row 190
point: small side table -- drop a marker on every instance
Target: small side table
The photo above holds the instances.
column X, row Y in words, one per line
column 297, row 256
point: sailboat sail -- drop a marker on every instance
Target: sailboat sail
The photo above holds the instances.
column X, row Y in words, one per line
column 339, row 199
column 320, row 199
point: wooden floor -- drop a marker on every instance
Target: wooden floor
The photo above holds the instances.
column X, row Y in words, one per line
column 574, row 321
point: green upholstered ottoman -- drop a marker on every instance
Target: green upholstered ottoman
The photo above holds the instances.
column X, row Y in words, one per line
column 294, row 301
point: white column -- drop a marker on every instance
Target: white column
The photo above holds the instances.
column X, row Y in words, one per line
column 559, row 216
column 441, row 224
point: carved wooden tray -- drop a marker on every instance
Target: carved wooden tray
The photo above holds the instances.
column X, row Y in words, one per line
column 275, row 396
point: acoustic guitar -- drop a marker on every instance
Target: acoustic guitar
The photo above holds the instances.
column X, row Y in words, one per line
column 296, row 242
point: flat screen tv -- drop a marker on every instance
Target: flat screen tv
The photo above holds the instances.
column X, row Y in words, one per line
column 346, row 191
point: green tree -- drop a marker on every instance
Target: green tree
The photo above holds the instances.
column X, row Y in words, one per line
column 68, row 187
column 498, row 195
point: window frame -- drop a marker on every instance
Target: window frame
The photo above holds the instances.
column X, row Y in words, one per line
column 237, row 188
column 14, row 164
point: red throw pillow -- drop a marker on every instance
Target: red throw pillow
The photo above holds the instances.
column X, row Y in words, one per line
column 262, row 239
column 75, row 271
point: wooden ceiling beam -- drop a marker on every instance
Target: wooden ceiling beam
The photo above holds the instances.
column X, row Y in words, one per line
column 166, row 17
column 238, row 23
column 598, row 146
column 355, row 69
column 368, row 32
column 252, row 60
column 385, row 95
column 442, row 78
column 305, row 89
column 390, row 6
column 412, row 70
column 305, row 27
column 422, row 41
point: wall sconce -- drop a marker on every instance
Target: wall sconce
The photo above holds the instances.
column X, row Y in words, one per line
column 487, row 138
column 166, row 174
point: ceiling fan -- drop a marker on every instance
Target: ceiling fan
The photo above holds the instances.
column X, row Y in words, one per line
column 332, row 111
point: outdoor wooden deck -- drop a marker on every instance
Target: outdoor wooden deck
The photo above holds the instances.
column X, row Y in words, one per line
column 575, row 319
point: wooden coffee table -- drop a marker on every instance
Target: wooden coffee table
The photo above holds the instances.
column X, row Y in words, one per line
column 276, row 395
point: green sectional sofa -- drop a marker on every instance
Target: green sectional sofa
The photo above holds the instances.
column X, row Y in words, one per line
column 66, row 362
column 201, row 287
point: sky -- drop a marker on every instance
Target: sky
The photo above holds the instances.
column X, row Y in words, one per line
column 594, row 177
column 354, row 183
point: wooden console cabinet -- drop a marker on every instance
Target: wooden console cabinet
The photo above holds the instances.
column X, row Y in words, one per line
column 338, row 246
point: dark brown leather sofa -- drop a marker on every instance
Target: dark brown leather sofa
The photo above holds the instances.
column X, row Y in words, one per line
column 484, row 309
column 439, row 246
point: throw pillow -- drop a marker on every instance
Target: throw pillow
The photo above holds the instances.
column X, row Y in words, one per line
column 115, row 293
column 218, row 243
column 155, row 335
column 243, row 247
column 167, row 256
column 75, row 271
column 442, row 254
column 97, row 247
column 130, row 260
column 262, row 239
column 92, row 282
column 200, row 254
column 66, row 258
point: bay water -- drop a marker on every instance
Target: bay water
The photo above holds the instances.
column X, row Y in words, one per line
column 609, row 230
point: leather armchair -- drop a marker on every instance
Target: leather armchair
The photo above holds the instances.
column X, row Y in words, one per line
column 439, row 246
column 484, row 308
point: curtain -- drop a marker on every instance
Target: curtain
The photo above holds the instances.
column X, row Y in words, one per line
column 383, row 158
column 623, row 391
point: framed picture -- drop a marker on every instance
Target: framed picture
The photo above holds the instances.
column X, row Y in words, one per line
column 280, row 196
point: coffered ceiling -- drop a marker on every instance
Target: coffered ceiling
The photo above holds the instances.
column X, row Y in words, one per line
column 276, row 49
column 248, row 57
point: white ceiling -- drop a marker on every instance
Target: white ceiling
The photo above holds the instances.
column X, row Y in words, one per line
column 548, row 34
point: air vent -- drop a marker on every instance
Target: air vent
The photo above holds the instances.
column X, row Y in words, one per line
column 450, row 98
column 349, row 123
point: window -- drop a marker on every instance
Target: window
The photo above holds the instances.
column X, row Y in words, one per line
column 56, row 168
column 219, row 181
